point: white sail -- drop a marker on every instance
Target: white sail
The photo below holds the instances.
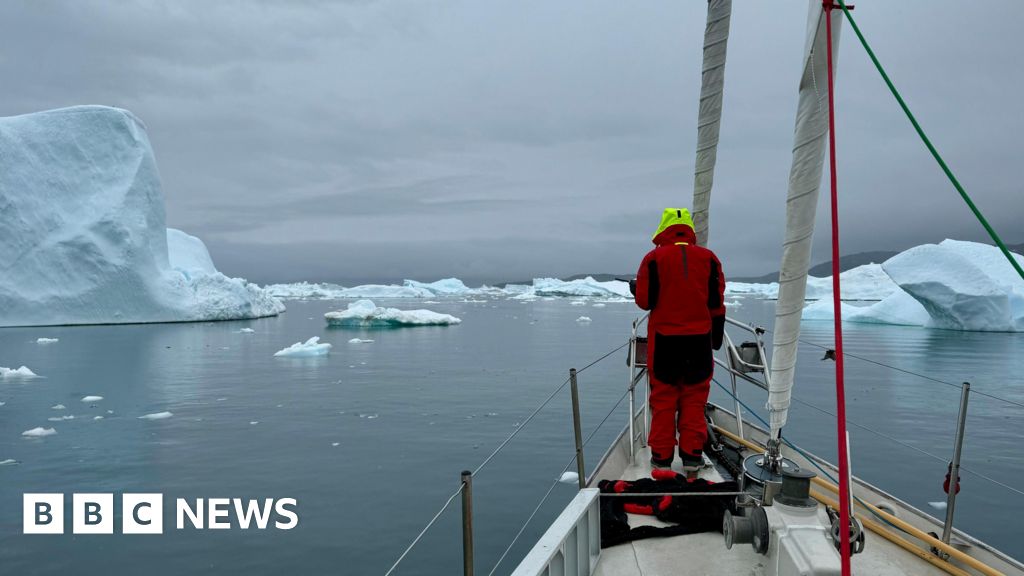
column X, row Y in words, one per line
column 709, row 117
column 809, row 142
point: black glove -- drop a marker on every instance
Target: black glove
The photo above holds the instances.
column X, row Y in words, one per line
column 717, row 331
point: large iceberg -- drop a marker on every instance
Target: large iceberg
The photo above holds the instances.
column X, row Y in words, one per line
column 953, row 285
column 408, row 289
column 364, row 313
column 962, row 285
column 84, row 238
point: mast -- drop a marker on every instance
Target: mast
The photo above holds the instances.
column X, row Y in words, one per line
column 809, row 141
column 709, row 116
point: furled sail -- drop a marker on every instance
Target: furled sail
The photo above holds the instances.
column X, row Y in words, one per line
column 809, row 142
column 709, row 117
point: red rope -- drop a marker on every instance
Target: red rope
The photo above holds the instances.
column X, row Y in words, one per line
column 844, row 464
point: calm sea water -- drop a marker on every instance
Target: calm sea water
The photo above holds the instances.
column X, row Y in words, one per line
column 370, row 440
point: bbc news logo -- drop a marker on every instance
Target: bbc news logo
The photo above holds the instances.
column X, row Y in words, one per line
column 144, row 513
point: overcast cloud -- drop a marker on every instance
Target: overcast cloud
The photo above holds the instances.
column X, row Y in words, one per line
column 499, row 140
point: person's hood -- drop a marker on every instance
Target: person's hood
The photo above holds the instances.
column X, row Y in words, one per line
column 676, row 227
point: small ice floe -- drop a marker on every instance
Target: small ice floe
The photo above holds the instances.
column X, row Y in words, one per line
column 335, row 443
column 2, row 403
column 22, row 372
column 97, row 417
column 938, row 505
column 600, row 305
column 360, row 341
column 157, row 416
column 110, row 411
column 88, row 399
column 254, row 422
column 578, row 303
column 491, row 414
column 61, row 418
column 369, row 416
column 246, row 331
column 734, row 304
column 583, row 319
column 47, row 340
column 569, row 478
column 58, row 407
column 310, row 347
column 8, row 462
column 366, row 313
column 38, row 432
column 220, row 399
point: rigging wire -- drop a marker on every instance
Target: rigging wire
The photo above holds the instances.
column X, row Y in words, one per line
column 928, row 143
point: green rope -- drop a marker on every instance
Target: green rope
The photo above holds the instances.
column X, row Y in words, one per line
column 928, row 143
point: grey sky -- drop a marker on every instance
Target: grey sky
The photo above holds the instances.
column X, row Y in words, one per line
column 499, row 140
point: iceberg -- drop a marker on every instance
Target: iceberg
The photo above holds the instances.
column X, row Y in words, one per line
column 88, row 399
column 47, row 340
column 306, row 291
column 446, row 286
column 366, row 313
column 582, row 287
column 156, row 416
column 38, row 432
column 311, row 347
column 583, row 319
column 22, row 372
column 85, row 240
column 867, row 282
column 962, row 285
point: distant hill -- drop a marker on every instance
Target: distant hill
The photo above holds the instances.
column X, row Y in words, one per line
column 825, row 268
column 820, row 270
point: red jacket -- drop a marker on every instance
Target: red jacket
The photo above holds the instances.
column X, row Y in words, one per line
column 683, row 286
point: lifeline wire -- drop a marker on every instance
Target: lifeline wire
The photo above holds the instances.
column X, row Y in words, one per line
column 555, row 483
column 539, row 408
column 424, row 531
column 912, row 447
column 926, row 377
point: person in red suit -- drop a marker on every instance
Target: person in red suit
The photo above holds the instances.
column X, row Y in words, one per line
column 683, row 286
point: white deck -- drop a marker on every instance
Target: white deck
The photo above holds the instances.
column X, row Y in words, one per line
column 705, row 554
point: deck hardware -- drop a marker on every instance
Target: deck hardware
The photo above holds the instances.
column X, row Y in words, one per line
column 467, row 523
column 954, row 470
column 577, row 429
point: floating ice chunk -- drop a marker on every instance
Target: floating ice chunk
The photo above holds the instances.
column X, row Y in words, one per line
column 58, row 407
column 156, row 416
column 2, row 403
column 824, row 310
column 360, row 341
column 366, row 313
column 578, row 303
column 765, row 291
column 305, row 291
column 938, row 505
column 22, row 372
column 38, row 432
column 734, row 304
column 898, row 308
column 583, row 287
column 254, row 422
column 962, row 285
column 47, row 340
column 310, row 347
column 61, row 418
column 385, row 291
column 97, row 417
column 569, row 478
column 92, row 399
column 446, row 286
column 246, row 331
column 335, row 443
column 583, row 319
column 599, row 305
column 8, row 462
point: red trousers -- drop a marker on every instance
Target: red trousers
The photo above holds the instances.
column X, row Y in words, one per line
column 677, row 407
